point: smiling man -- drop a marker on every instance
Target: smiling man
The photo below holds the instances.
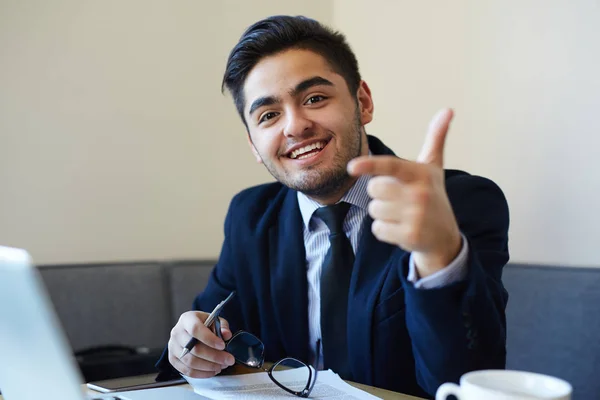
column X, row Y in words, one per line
column 393, row 265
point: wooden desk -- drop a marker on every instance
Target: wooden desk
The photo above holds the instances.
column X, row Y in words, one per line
column 382, row 393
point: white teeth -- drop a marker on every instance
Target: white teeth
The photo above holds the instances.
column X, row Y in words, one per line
column 298, row 153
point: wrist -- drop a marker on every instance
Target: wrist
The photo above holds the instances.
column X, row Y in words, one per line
column 428, row 263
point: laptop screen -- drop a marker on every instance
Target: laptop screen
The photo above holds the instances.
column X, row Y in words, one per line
column 37, row 361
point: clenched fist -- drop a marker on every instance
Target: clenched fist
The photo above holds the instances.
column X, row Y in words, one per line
column 208, row 357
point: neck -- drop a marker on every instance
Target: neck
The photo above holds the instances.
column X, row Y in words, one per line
column 332, row 198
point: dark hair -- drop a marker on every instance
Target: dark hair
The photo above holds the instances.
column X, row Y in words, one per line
column 278, row 33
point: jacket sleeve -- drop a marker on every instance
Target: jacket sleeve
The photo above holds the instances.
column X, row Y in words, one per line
column 462, row 327
column 220, row 284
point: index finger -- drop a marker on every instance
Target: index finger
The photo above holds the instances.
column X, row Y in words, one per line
column 383, row 165
column 195, row 328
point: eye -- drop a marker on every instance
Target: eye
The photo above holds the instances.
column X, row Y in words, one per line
column 315, row 99
column 267, row 116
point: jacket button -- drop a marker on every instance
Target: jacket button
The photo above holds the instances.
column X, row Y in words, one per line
column 472, row 339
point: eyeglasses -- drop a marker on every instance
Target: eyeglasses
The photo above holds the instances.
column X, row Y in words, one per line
column 290, row 374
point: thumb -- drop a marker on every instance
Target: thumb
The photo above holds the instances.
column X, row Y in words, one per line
column 225, row 331
column 432, row 151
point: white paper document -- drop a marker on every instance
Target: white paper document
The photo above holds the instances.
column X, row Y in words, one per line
column 259, row 386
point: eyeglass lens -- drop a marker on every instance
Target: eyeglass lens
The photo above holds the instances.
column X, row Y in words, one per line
column 247, row 349
column 292, row 374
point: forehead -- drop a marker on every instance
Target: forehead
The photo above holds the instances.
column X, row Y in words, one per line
column 275, row 75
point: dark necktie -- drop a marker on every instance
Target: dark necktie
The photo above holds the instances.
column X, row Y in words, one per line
column 335, row 282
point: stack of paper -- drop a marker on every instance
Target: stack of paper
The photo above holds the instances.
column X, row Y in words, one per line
column 259, row 386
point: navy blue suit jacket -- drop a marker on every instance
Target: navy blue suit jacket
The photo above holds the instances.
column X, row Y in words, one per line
column 399, row 338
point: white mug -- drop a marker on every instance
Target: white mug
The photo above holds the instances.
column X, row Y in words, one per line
column 506, row 385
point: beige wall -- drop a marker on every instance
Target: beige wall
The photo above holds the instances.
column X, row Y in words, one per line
column 115, row 143
column 523, row 78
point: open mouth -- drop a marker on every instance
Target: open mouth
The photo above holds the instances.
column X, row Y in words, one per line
column 308, row 151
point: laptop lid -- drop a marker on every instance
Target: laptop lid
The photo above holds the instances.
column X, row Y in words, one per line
column 37, row 361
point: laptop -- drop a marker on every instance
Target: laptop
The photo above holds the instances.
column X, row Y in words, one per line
column 37, row 361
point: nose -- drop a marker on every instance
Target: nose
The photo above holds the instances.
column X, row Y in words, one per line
column 297, row 124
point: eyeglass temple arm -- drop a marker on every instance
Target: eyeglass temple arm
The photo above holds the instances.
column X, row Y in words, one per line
column 316, row 368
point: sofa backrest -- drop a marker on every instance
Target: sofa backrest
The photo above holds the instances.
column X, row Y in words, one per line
column 186, row 280
column 553, row 324
column 99, row 304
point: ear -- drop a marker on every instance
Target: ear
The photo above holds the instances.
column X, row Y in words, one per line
column 254, row 151
column 365, row 103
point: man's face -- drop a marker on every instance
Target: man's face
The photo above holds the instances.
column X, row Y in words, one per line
column 303, row 122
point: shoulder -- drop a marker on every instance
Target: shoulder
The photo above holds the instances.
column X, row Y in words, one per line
column 460, row 182
column 254, row 203
column 259, row 193
column 476, row 196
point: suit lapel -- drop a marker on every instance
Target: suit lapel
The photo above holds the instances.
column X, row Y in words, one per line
column 367, row 278
column 289, row 285
column 372, row 259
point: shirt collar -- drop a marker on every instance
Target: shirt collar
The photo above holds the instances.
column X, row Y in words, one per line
column 357, row 196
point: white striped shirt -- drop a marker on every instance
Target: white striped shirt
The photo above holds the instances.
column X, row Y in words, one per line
column 316, row 243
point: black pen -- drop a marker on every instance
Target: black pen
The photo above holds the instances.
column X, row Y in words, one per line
column 214, row 314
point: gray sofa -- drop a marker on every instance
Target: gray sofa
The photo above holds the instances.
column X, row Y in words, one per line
column 553, row 314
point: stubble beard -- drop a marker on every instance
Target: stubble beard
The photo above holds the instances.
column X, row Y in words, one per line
column 319, row 182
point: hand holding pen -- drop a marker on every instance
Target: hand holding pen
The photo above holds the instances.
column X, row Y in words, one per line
column 194, row 349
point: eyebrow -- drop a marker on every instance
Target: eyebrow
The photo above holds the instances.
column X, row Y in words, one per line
column 300, row 87
column 263, row 101
column 308, row 83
